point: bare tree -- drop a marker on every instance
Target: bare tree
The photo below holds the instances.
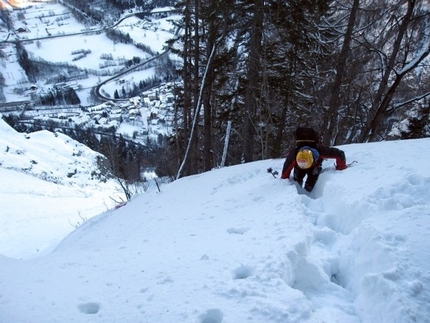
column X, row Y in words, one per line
column 397, row 63
column 253, row 80
column 331, row 117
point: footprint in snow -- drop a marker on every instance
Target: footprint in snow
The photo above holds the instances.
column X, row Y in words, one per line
column 237, row 230
column 89, row 308
column 212, row 316
column 243, row 272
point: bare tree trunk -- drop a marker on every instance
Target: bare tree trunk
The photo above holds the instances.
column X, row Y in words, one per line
column 331, row 118
column 253, row 82
column 193, row 127
column 226, row 141
column 383, row 107
column 186, row 75
column 194, row 152
column 383, row 97
column 207, row 95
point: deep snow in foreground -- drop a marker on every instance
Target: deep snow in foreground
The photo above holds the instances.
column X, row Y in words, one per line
column 237, row 245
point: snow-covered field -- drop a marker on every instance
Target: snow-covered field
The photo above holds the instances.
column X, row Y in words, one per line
column 230, row 245
column 45, row 19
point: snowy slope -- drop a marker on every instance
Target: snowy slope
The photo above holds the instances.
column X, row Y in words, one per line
column 49, row 181
column 236, row 245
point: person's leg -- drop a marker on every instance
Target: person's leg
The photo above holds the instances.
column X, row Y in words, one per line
column 312, row 179
column 299, row 174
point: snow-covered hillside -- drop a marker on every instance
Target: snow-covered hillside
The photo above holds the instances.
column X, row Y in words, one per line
column 237, row 245
column 49, row 181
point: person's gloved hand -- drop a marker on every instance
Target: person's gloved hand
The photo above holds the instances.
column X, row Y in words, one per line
column 341, row 165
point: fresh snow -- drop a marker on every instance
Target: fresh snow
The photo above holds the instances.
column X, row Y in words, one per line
column 43, row 174
column 230, row 245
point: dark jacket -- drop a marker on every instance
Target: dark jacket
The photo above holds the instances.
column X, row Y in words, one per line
column 325, row 153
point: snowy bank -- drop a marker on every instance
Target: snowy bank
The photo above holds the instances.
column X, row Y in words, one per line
column 237, row 245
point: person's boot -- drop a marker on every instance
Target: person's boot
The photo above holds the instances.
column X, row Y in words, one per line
column 309, row 187
column 297, row 179
column 312, row 179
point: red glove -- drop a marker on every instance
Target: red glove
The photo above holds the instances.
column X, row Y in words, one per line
column 341, row 165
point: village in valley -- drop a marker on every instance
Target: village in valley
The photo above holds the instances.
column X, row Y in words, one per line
column 111, row 66
column 148, row 115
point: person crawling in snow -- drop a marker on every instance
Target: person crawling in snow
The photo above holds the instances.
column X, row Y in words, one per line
column 307, row 157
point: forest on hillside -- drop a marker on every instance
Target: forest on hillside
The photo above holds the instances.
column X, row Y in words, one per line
column 254, row 70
